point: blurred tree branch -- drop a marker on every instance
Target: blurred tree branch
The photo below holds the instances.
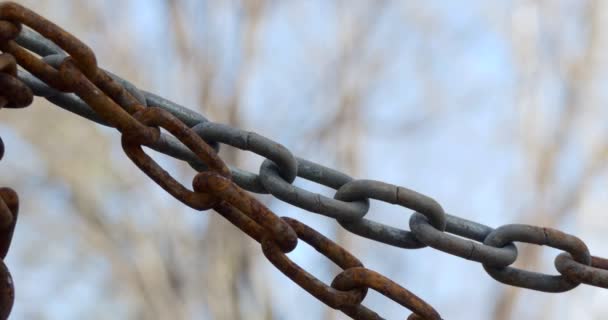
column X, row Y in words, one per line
column 228, row 252
column 544, row 157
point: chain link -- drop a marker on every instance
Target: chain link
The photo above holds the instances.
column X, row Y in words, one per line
column 364, row 189
column 310, row 201
column 595, row 274
column 13, row 94
column 65, row 72
column 9, row 209
column 540, row 236
column 461, row 245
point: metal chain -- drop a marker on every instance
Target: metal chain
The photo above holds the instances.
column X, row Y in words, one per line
column 13, row 94
column 65, row 72
column 139, row 123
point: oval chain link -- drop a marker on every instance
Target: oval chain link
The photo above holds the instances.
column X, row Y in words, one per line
column 313, row 202
column 361, row 278
column 540, row 236
column 361, row 190
column 457, row 240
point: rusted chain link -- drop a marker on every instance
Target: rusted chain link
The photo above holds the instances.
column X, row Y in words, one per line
column 9, row 208
column 13, row 94
column 65, row 73
column 346, row 292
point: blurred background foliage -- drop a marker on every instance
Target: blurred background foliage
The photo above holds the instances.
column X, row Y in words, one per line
column 494, row 108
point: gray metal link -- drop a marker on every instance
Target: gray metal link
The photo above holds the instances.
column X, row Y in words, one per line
column 321, row 174
column 595, row 274
column 246, row 140
column 187, row 116
column 426, row 233
column 540, row 236
column 36, row 43
column 314, row 202
column 364, row 189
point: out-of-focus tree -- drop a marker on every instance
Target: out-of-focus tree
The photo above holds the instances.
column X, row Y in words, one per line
column 558, row 67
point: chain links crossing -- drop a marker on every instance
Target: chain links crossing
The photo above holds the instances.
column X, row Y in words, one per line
column 13, row 94
column 63, row 70
column 114, row 104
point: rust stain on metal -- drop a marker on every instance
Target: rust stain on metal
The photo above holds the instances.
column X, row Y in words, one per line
column 8, row 64
column 17, row 94
column 7, row 291
column 159, row 118
column 76, row 81
column 332, row 297
column 365, row 278
column 82, row 54
column 14, row 93
column 595, row 274
column 225, row 189
column 241, row 221
column 10, row 200
column 9, row 30
column 9, row 209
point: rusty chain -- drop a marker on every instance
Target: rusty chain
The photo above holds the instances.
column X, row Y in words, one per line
column 60, row 68
column 13, row 94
